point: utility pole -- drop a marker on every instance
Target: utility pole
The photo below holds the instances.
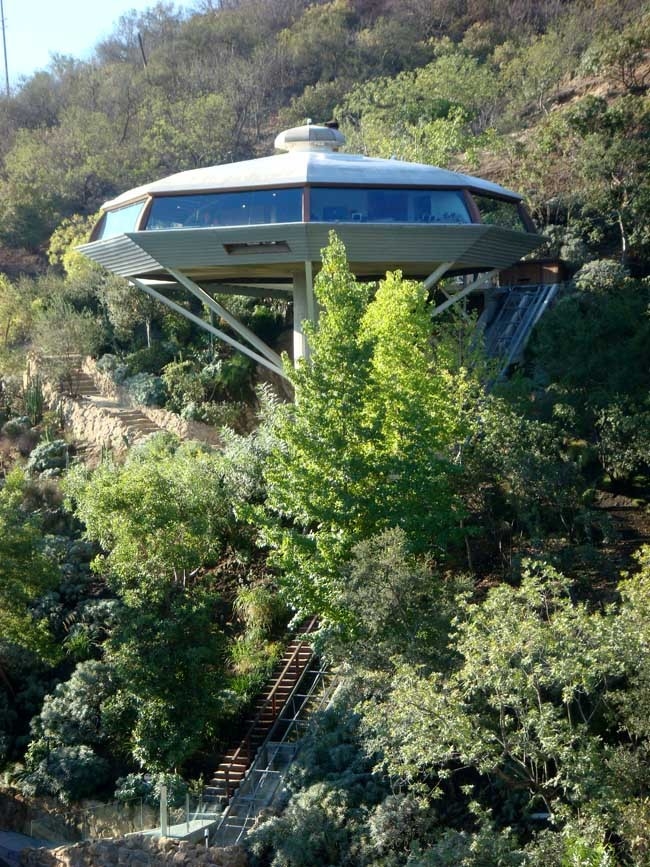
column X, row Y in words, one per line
column 4, row 45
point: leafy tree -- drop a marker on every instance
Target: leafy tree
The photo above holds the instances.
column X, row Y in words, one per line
column 612, row 161
column 165, row 519
column 25, row 571
column 427, row 115
column 534, row 73
column 523, row 708
column 177, row 517
column 578, row 348
column 370, row 442
column 53, row 173
column 622, row 53
column 62, row 335
column 396, row 608
column 318, row 45
column 16, row 312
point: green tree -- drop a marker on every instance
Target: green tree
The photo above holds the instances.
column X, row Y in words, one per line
column 371, row 441
column 159, row 517
column 25, row 571
column 622, row 54
column 429, row 115
column 523, row 707
column 16, row 312
column 164, row 519
column 612, row 157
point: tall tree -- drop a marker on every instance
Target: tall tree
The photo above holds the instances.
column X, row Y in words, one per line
column 25, row 570
column 371, row 440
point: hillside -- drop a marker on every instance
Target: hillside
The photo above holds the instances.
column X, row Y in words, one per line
column 476, row 556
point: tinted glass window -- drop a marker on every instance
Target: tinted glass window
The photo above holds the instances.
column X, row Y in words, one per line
column 251, row 207
column 121, row 220
column 499, row 212
column 367, row 205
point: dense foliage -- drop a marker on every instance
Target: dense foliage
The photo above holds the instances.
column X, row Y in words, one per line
column 492, row 661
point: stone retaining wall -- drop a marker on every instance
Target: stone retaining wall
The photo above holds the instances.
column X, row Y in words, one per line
column 136, row 851
column 45, row 818
column 87, row 421
column 186, row 430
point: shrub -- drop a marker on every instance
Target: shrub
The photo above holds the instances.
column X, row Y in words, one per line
column 54, row 455
column 111, row 365
column 147, row 787
column 68, row 772
column 15, row 427
column 265, row 321
column 601, row 277
column 146, row 389
column 184, row 385
column 217, row 414
column 151, row 359
column 624, row 440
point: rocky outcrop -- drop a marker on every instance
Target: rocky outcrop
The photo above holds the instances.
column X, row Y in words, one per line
column 136, row 851
column 14, row 811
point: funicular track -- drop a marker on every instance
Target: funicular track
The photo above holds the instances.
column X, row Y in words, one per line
column 237, row 760
column 520, row 309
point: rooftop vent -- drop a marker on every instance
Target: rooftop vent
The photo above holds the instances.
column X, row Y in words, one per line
column 310, row 138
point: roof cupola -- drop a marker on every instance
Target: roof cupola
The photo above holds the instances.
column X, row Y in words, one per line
column 310, row 137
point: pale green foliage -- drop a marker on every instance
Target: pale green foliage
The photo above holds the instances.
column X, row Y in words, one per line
column 159, row 516
column 622, row 54
column 69, row 772
column 371, row 441
column 66, row 237
column 635, row 702
column 532, row 681
column 429, row 115
column 534, row 73
column 16, row 311
column 53, row 455
column 146, row 389
column 190, row 133
column 319, row 42
column 71, row 713
column 601, row 277
column 25, row 571
column 49, row 169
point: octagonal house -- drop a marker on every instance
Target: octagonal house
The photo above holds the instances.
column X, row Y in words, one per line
column 258, row 227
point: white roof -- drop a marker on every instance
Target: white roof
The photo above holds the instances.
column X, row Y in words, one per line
column 303, row 167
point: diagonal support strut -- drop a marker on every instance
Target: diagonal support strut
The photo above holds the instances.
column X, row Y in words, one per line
column 221, row 311
column 260, row 359
column 475, row 284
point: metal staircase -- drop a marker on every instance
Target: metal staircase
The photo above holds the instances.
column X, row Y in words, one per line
column 519, row 310
column 264, row 783
column 237, row 760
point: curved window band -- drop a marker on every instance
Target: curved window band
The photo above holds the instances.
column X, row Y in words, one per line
column 326, row 205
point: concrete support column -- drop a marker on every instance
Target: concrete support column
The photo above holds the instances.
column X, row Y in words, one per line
column 304, row 309
column 163, row 811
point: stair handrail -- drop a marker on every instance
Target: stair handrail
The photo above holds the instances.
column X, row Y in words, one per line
column 246, row 740
column 528, row 323
column 495, row 329
column 225, row 816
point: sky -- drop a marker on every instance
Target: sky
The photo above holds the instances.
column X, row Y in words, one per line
column 36, row 29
